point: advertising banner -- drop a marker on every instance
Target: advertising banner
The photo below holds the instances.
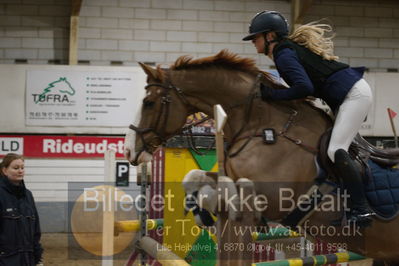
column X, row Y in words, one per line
column 79, row 98
column 43, row 146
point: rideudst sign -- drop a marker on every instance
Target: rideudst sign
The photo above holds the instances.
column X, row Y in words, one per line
column 42, row 146
column 82, row 98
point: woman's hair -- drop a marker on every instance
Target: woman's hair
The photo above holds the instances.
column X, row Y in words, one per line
column 313, row 36
column 7, row 160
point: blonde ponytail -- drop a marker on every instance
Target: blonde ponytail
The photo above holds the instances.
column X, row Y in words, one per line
column 312, row 36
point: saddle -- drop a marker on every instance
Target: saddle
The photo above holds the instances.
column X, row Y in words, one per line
column 361, row 151
column 381, row 181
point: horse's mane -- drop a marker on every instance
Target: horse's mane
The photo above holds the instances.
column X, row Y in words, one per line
column 224, row 59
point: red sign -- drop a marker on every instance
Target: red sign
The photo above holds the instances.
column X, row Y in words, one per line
column 42, row 146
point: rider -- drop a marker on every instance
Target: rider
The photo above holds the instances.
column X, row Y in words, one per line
column 306, row 62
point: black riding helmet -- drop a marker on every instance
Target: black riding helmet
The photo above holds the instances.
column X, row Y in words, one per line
column 266, row 21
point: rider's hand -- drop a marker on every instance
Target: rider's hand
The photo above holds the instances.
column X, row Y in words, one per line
column 266, row 92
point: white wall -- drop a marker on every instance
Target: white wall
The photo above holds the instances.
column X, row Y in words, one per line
column 57, row 183
column 12, row 99
column 385, row 95
column 128, row 31
column 49, row 179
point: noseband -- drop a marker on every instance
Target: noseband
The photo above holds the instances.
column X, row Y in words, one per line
column 166, row 100
column 159, row 127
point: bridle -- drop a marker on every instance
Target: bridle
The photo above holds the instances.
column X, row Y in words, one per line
column 159, row 127
column 166, row 100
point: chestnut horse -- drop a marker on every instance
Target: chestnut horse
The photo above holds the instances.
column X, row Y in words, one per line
column 191, row 86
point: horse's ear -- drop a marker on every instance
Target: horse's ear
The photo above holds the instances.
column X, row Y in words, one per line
column 151, row 72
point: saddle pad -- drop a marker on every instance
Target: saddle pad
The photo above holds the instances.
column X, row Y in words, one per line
column 382, row 190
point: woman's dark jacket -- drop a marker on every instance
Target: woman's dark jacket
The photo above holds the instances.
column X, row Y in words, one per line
column 19, row 226
column 308, row 74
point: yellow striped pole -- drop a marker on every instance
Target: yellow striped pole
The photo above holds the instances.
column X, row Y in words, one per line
column 134, row 225
column 314, row 260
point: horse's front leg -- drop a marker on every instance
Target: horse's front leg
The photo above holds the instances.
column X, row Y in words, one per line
column 195, row 179
column 206, row 192
column 201, row 195
column 249, row 201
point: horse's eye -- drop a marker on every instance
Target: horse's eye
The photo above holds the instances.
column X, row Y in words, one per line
column 148, row 103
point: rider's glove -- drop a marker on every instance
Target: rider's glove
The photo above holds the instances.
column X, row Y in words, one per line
column 266, row 92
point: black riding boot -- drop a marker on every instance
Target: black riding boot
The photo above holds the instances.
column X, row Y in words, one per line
column 359, row 209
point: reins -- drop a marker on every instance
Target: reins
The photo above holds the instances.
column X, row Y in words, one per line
column 248, row 108
column 166, row 100
column 159, row 127
column 281, row 133
column 284, row 131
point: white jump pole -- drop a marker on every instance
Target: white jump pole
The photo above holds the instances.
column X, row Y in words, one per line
column 220, row 121
column 108, row 208
column 228, row 221
column 161, row 253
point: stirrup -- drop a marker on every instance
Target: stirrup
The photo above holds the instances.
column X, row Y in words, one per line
column 365, row 215
column 362, row 219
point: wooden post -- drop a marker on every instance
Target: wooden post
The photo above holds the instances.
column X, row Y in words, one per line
column 295, row 10
column 73, row 40
column 74, row 31
column 144, row 177
column 298, row 11
column 108, row 208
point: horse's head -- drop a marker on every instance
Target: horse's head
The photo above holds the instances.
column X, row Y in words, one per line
column 63, row 86
column 187, row 87
column 163, row 114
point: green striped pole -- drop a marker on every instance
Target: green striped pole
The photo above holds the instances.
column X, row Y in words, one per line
column 275, row 233
column 314, row 260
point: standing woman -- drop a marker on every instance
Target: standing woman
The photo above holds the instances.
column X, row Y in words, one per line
column 306, row 62
column 19, row 221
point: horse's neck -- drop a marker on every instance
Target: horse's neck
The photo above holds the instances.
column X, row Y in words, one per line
column 232, row 90
column 286, row 115
column 208, row 88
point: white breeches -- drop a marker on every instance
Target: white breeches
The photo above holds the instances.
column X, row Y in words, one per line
column 350, row 117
